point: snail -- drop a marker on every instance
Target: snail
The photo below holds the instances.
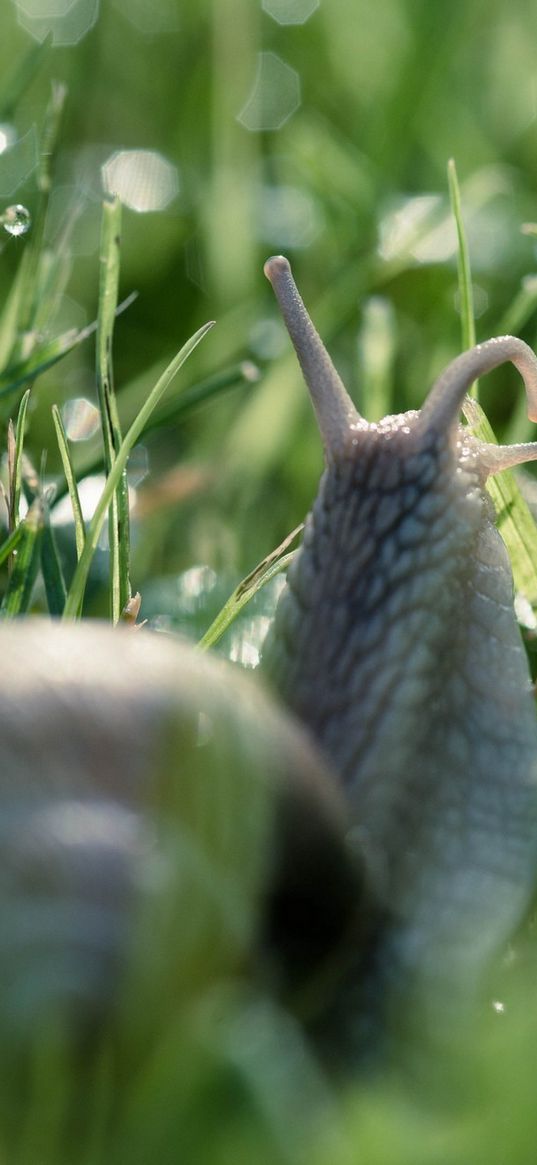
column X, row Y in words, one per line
column 374, row 816
column 396, row 643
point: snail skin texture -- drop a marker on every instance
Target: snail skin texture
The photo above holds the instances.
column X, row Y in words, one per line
column 158, row 808
column 395, row 642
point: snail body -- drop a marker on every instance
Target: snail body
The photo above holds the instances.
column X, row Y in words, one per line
column 390, row 806
column 396, row 643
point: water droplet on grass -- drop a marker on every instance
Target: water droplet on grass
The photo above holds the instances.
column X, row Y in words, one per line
column 16, row 220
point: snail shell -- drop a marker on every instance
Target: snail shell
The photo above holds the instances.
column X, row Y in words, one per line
column 159, row 816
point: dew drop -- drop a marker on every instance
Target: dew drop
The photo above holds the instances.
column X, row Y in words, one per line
column 16, row 220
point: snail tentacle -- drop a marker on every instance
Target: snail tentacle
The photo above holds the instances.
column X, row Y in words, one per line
column 333, row 406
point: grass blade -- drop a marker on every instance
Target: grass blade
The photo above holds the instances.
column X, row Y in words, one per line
column 51, row 569
column 10, row 459
column 54, row 272
column 11, row 543
column 48, row 354
column 26, row 564
column 15, row 483
column 513, row 518
column 30, row 298
column 522, row 307
column 20, row 80
column 9, row 320
column 42, row 358
column 240, row 374
column 76, row 592
column 266, row 570
column 118, row 520
column 50, row 560
column 463, row 261
column 68, row 469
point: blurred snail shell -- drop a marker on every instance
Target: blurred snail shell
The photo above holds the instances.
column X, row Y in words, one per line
column 154, row 796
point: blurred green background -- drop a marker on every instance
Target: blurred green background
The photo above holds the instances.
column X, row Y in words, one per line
column 232, row 130
column 239, row 129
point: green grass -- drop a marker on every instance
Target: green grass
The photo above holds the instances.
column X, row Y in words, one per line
column 234, row 461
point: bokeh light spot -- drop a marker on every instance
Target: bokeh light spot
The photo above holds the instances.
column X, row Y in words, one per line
column 8, row 136
column 67, row 21
column 412, row 229
column 150, row 18
column 290, row 11
column 89, row 492
column 267, row 339
column 480, row 301
column 138, row 466
column 274, row 97
column 45, row 8
column 81, row 418
column 142, row 179
column 289, row 217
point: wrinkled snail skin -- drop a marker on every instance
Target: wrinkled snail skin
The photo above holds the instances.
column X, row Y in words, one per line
column 134, row 768
column 395, row 642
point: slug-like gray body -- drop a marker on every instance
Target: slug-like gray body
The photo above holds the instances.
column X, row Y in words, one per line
column 396, row 643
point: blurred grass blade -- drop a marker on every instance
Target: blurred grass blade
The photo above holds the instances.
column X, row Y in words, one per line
column 266, row 570
column 51, row 568
column 80, row 531
column 54, row 273
column 34, row 296
column 16, row 476
column 240, row 374
column 26, row 564
column 377, row 345
column 10, row 460
column 76, row 592
column 118, row 516
column 49, row 1084
column 42, row 358
column 519, row 428
column 29, row 294
column 514, row 519
column 19, row 81
column 466, row 297
column 522, row 307
column 48, row 354
column 9, row 320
